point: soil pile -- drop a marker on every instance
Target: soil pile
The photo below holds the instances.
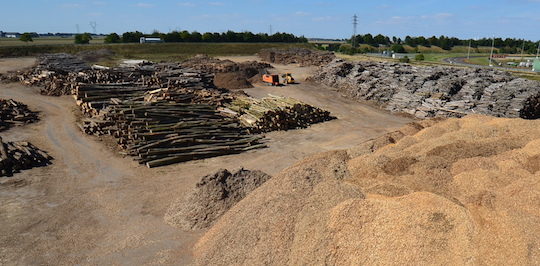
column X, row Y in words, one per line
column 229, row 74
column 462, row 191
column 302, row 56
column 13, row 113
column 434, row 91
column 213, row 196
column 93, row 56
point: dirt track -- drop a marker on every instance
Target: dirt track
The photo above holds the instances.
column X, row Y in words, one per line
column 95, row 207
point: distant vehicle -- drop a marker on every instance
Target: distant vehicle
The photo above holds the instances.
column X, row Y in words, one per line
column 271, row 79
column 150, row 40
column 288, row 78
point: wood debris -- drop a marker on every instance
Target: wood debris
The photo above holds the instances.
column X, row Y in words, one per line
column 18, row 156
column 13, row 113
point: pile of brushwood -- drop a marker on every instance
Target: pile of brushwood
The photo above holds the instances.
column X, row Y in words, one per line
column 276, row 113
column 302, row 56
column 13, row 113
column 17, row 156
column 433, row 91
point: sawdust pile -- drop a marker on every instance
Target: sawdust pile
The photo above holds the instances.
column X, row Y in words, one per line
column 302, row 56
column 212, row 197
column 228, row 74
column 462, row 191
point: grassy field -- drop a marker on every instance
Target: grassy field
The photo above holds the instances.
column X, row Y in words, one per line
column 44, row 41
column 154, row 52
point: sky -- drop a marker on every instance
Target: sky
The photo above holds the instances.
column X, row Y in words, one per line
column 322, row 19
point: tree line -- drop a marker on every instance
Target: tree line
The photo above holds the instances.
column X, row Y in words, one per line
column 186, row 36
column 508, row 45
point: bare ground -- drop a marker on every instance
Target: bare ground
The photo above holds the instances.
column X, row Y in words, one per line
column 95, row 207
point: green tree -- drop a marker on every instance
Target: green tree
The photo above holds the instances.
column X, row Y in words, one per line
column 112, row 38
column 398, row 48
column 26, row 37
column 419, row 57
column 83, row 38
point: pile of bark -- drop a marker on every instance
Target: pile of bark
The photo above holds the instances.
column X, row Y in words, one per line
column 213, row 195
column 13, row 113
column 228, row 74
column 302, row 56
column 18, row 156
column 434, row 91
column 276, row 113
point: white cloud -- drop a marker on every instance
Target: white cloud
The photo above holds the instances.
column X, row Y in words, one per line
column 144, row 5
column 186, row 4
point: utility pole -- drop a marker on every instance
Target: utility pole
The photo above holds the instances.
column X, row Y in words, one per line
column 271, row 33
column 93, row 25
column 522, row 49
column 355, row 25
column 77, row 26
column 469, row 52
column 491, row 55
column 538, row 50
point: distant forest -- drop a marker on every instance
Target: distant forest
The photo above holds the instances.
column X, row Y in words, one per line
column 507, row 45
column 186, row 36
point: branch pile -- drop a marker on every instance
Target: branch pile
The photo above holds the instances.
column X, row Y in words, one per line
column 15, row 113
column 434, row 91
column 17, row 156
column 276, row 113
column 302, row 56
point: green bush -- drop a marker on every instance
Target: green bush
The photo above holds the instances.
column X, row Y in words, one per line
column 26, row 37
column 404, row 59
column 83, row 38
column 398, row 48
column 419, row 57
column 112, row 38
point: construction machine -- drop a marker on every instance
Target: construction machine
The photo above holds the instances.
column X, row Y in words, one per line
column 271, row 79
column 288, row 78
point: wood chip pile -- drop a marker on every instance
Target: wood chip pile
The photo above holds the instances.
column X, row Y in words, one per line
column 18, row 156
column 13, row 113
column 434, row 91
column 276, row 113
column 302, row 56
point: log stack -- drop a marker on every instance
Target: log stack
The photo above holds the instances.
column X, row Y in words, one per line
column 13, row 113
column 276, row 113
column 18, row 156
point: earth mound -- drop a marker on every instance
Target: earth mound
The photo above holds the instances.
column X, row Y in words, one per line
column 228, row 74
column 457, row 191
column 213, row 196
column 302, row 56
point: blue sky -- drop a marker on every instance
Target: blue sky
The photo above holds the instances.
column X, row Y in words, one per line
column 328, row 19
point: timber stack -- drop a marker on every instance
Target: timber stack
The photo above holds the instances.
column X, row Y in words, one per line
column 18, row 156
column 13, row 113
column 276, row 113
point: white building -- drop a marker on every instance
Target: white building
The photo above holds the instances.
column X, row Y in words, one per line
column 151, row 40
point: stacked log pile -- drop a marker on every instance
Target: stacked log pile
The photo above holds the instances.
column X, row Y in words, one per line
column 162, row 126
column 13, row 113
column 434, row 91
column 276, row 113
column 18, row 156
column 302, row 56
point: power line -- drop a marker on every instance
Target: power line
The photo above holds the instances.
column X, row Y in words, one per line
column 355, row 25
column 93, row 25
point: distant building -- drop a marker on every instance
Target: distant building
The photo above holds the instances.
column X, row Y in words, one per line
column 12, row 34
column 151, row 40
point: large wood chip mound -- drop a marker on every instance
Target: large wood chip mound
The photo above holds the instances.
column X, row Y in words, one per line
column 451, row 192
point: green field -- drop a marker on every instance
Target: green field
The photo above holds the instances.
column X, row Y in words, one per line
column 154, row 52
column 44, row 41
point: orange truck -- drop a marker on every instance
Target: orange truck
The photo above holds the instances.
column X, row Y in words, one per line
column 271, row 79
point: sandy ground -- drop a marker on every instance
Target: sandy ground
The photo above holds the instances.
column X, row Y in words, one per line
column 94, row 207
